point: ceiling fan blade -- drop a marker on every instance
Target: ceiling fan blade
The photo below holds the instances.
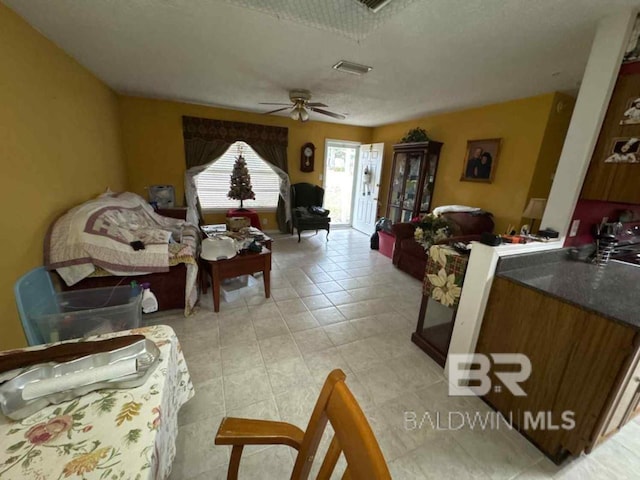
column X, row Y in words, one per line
column 326, row 112
column 316, row 104
column 277, row 110
column 271, row 103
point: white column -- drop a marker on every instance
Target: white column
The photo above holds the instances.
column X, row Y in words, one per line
column 600, row 76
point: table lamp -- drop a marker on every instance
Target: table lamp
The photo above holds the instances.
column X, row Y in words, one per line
column 535, row 210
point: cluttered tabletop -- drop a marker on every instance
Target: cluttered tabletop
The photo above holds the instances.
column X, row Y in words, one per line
column 127, row 431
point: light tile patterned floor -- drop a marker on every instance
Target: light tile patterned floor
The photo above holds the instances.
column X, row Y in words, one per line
column 338, row 304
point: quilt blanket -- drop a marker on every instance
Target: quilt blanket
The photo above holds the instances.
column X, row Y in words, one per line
column 98, row 233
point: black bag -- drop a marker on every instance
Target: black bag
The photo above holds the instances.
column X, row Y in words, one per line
column 384, row 224
column 375, row 241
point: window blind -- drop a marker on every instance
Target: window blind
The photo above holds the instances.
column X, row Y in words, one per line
column 213, row 184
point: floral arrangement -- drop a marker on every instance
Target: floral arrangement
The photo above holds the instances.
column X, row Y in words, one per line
column 415, row 135
column 431, row 229
column 446, row 284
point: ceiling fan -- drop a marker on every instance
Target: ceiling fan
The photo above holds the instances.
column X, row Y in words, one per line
column 300, row 105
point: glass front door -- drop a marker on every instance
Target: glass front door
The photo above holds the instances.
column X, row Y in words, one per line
column 340, row 160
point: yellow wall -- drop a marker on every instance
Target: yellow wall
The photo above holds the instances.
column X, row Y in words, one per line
column 552, row 142
column 154, row 148
column 59, row 145
column 520, row 123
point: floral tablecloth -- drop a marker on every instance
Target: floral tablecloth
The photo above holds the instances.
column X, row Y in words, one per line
column 444, row 275
column 107, row 434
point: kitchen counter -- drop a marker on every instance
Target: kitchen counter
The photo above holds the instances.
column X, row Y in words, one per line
column 612, row 291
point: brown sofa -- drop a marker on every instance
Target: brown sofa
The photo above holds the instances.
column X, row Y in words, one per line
column 409, row 256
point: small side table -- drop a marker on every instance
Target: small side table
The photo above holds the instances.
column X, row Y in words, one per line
column 252, row 215
column 245, row 264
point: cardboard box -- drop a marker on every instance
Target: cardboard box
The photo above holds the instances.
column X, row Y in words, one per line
column 234, row 224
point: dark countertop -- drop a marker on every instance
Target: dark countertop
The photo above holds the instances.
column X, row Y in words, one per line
column 612, row 291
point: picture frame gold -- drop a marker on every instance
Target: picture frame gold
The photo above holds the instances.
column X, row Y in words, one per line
column 481, row 160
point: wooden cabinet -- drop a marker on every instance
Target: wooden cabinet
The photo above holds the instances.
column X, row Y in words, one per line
column 626, row 401
column 579, row 362
column 616, row 182
column 173, row 212
column 413, row 177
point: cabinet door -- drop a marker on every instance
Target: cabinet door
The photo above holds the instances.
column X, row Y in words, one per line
column 625, row 185
column 396, row 193
column 412, row 185
column 626, row 401
column 428, row 182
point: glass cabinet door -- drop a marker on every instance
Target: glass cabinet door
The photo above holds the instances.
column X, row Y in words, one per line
column 407, row 215
column 411, row 182
column 397, row 184
column 428, row 183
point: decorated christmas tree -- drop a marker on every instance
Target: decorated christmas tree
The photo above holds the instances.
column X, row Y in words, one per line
column 241, row 182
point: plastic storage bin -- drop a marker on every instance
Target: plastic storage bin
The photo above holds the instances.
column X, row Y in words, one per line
column 82, row 313
column 234, row 288
column 387, row 243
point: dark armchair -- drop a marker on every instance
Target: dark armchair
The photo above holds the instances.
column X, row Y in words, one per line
column 306, row 209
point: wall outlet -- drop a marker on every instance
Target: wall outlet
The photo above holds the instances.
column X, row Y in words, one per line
column 574, row 228
column 320, row 177
column 265, row 221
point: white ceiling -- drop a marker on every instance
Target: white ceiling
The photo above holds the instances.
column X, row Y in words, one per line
column 427, row 55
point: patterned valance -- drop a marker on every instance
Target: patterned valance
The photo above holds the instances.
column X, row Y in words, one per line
column 210, row 130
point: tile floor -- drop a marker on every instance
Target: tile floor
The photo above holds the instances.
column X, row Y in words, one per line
column 341, row 305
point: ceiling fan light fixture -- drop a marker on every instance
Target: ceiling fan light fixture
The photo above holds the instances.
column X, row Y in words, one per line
column 352, row 68
column 304, row 115
column 295, row 114
column 374, row 5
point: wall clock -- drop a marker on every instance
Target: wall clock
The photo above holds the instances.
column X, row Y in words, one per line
column 307, row 155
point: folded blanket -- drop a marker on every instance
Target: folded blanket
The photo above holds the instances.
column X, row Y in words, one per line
column 454, row 208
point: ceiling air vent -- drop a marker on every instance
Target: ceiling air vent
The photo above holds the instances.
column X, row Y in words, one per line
column 353, row 68
column 374, row 5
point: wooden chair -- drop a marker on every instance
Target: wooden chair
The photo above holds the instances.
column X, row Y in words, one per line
column 353, row 437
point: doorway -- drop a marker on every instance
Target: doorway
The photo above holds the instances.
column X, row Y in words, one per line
column 339, row 167
column 366, row 200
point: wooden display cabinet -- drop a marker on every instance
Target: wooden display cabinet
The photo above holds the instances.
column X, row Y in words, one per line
column 413, row 177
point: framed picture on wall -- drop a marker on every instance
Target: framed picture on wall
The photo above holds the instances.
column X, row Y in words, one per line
column 631, row 115
column 481, row 160
column 624, row 150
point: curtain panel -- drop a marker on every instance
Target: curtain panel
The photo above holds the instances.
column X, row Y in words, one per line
column 206, row 140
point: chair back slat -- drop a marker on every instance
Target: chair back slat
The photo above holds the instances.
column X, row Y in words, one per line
column 330, row 460
column 359, row 444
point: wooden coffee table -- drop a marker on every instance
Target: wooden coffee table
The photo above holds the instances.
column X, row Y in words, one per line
column 244, row 264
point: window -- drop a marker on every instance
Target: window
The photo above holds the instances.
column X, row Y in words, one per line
column 213, row 184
